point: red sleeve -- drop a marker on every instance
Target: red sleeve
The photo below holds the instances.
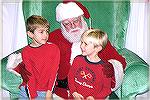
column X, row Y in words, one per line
column 28, row 64
column 111, row 53
column 54, row 65
column 17, row 69
column 71, row 82
column 106, row 89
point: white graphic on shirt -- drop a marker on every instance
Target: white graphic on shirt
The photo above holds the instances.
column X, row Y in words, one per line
column 83, row 83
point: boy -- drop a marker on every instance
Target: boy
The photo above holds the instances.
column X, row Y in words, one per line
column 41, row 59
column 86, row 78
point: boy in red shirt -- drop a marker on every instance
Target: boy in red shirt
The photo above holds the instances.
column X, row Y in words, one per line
column 86, row 78
column 41, row 59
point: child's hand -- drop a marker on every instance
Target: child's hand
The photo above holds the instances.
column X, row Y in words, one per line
column 90, row 98
column 77, row 96
column 48, row 95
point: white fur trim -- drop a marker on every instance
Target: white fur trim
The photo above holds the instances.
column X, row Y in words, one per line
column 49, row 42
column 67, row 10
column 75, row 50
column 118, row 69
column 56, row 97
column 12, row 62
column 14, row 72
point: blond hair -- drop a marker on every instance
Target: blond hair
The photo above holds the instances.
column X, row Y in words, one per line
column 97, row 37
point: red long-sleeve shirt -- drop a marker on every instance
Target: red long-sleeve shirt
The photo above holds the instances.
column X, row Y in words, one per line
column 42, row 62
column 87, row 79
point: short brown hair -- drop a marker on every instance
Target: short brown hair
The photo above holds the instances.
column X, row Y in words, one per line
column 36, row 21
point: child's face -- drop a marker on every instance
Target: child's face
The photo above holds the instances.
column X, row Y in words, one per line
column 88, row 48
column 40, row 35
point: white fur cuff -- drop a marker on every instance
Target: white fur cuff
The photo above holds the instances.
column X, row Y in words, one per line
column 118, row 70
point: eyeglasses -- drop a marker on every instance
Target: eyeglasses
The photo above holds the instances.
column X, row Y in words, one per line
column 75, row 21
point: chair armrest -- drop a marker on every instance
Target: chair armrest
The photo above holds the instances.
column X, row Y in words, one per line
column 136, row 75
column 10, row 81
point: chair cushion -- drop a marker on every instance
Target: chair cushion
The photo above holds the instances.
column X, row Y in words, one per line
column 136, row 75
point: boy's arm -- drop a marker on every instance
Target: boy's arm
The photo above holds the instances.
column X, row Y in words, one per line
column 54, row 63
column 31, row 83
column 106, row 89
column 71, row 78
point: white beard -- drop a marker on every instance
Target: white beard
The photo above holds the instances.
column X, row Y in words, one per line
column 75, row 36
column 75, row 39
column 75, row 50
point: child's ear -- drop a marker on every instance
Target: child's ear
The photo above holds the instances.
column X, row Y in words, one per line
column 30, row 34
column 99, row 48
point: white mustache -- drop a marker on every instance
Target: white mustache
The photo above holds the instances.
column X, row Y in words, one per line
column 74, row 30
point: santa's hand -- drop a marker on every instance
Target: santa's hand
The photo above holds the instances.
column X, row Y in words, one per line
column 13, row 61
column 108, row 69
column 77, row 96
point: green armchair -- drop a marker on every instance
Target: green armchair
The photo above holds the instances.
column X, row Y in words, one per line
column 136, row 76
column 135, row 81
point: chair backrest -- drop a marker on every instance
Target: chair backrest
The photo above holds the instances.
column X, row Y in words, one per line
column 109, row 16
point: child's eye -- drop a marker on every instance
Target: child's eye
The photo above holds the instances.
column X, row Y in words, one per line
column 47, row 31
column 85, row 44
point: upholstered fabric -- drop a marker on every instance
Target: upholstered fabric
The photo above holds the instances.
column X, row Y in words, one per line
column 111, row 17
column 136, row 76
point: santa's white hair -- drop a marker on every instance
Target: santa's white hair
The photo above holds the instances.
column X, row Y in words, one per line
column 75, row 37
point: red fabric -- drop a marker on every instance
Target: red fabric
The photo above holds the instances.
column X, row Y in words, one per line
column 109, row 52
column 42, row 62
column 108, row 69
column 65, row 50
column 88, row 79
column 65, row 53
column 62, row 92
column 23, row 72
column 66, row 1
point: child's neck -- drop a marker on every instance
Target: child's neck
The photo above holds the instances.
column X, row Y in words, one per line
column 35, row 44
column 93, row 58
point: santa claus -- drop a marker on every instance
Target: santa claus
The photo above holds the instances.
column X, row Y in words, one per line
column 71, row 16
